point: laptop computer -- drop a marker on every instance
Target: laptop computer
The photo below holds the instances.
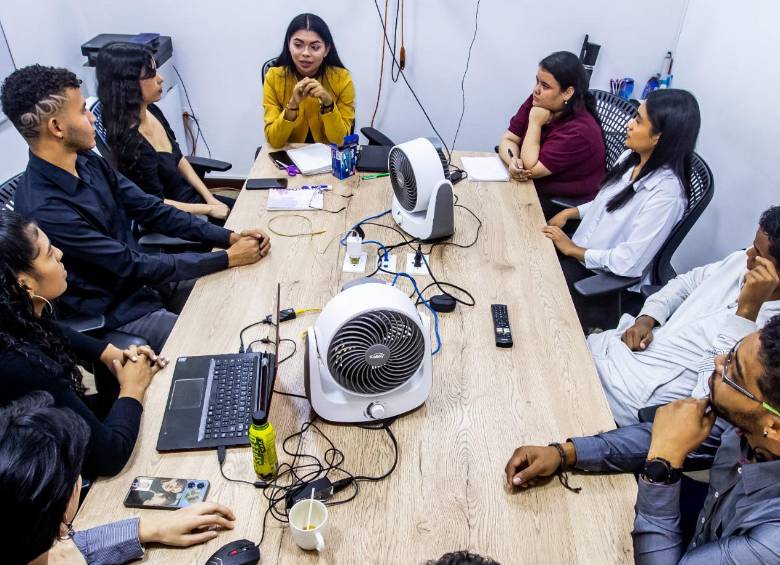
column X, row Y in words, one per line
column 212, row 397
column 373, row 158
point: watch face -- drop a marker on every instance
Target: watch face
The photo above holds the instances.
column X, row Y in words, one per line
column 657, row 471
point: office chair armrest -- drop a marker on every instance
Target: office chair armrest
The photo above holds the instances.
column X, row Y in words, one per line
column 604, row 283
column 564, row 202
column 376, row 137
column 207, row 165
column 160, row 240
column 124, row 340
column 648, row 290
column 84, row 324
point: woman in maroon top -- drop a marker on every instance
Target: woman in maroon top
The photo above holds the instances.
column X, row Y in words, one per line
column 555, row 138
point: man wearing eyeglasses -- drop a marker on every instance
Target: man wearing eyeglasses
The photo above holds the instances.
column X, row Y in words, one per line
column 735, row 432
column 666, row 352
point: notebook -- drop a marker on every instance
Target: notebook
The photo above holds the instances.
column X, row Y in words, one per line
column 485, row 168
column 311, row 159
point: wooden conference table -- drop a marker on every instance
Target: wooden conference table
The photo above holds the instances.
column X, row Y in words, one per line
column 447, row 492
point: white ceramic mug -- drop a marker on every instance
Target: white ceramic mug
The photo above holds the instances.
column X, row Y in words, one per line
column 304, row 537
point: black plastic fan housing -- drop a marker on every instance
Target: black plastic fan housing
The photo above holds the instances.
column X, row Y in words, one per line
column 376, row 352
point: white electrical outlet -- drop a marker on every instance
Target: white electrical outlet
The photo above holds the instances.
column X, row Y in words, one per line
column 421, row 270
column 351, row 267
column 389, row 264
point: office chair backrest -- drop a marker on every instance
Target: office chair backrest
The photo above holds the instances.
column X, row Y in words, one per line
column 614, row 114
column 702, row 190
column 7, row 191
column 101, row 136
column 267, row 65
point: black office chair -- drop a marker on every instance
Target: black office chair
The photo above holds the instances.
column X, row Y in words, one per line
column 264, row 71
column 614, row 113
column 201, row 165
column 7, row 191
column 661, row 270
column 149, row 240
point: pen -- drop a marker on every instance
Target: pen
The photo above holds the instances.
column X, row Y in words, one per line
column 375, row 176
column 280, row 164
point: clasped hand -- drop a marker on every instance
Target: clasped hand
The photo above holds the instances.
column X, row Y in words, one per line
column 309, row 87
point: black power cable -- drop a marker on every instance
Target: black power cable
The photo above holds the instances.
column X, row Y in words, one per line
column 409, row 86
column 463, row 80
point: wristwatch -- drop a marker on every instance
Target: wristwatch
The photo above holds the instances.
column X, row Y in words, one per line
column 660, row 471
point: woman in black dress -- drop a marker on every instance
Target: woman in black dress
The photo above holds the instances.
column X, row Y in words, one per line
column 140, row 137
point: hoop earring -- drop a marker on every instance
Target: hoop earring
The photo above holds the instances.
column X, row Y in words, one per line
column 33, row 296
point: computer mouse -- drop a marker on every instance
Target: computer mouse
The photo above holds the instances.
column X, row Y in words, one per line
column 239, row 552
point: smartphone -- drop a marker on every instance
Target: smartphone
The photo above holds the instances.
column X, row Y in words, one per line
column 281, row 159
column 165, row 493
column 265, row 184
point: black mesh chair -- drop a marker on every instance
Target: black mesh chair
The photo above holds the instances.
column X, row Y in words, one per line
column 661, row 270
column 7, row 191
column 272, row 63
column 150, row 241
column 201, row 165
column 93, row 325
column 614, row 113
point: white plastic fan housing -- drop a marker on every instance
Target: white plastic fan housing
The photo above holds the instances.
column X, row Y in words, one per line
column 423, row 202
column 380, row 350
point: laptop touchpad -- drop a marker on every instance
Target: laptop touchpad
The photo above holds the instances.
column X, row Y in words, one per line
column 187, row 393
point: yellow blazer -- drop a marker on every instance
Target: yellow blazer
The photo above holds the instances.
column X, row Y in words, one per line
column 325, row 128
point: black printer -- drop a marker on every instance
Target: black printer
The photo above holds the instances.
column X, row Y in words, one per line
column 161, row 45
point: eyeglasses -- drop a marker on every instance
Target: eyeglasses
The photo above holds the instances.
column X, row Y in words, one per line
column 732, row 357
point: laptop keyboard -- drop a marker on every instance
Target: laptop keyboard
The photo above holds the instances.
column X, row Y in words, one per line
column 230, row 406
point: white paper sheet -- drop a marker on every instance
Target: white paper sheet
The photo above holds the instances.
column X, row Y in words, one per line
column 485, row 168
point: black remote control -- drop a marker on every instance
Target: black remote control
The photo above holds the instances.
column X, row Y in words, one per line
column 501, row 325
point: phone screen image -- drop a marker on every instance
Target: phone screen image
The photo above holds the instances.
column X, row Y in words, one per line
column 165, row 492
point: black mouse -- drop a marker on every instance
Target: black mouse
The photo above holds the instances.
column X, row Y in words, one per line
column 239, row 552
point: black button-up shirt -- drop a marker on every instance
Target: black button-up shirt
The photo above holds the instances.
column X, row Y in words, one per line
column 88, row 217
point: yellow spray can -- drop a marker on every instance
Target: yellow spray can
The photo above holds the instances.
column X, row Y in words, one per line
column 262, row 438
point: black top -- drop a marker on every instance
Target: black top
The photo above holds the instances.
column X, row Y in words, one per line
column 157, row 172
column 89, row 216
column 111, row 441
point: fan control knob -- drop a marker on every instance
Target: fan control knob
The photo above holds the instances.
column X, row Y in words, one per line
column 376, row 410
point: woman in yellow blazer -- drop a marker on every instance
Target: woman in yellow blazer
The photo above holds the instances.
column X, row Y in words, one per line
column 309, row 97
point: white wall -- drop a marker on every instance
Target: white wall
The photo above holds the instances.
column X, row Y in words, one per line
column 220, row 47
column 49, row 33
column 726, row 57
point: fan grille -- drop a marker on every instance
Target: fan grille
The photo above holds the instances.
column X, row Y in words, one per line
column 402, row 178
column 376, row 352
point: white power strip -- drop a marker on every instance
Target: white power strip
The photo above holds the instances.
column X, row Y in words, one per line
column 421, row 270
column 359, row 267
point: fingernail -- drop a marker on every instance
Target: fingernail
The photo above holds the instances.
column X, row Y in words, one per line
column 517, row 480
column 135, row 358
column 114, row 361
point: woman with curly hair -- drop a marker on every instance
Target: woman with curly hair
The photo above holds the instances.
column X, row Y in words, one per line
column 38, row 354
column 141, row 139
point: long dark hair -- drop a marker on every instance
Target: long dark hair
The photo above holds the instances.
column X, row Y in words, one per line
column 20, row 329
column 567, row 69
column 316, row 24
column 41, row 452
column 674, row 114
column 120, row 68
